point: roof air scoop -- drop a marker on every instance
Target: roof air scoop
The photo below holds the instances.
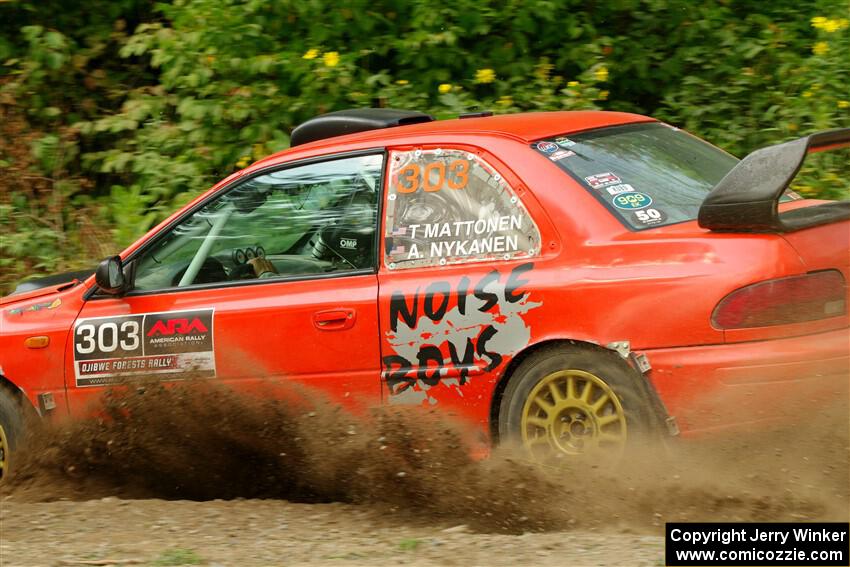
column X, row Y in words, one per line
column 352, row 121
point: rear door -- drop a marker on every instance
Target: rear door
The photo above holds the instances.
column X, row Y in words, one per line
column 274, row 279
column 455, row 280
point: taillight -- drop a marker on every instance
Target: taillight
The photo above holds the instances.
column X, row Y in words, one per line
column 796, row 299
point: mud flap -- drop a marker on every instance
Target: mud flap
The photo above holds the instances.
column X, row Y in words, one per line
column 665, row 424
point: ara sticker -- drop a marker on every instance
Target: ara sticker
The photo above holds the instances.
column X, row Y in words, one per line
column 561, row 154
column 632, row 201
column 174, row 342
column 617, row 189
column 547, row 147
column 648, row 217
column 565, row 142
column 602, row 179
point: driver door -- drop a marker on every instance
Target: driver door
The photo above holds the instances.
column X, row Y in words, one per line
column 272, row 279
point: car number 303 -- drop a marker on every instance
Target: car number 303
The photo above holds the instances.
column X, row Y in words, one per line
column 107, row 337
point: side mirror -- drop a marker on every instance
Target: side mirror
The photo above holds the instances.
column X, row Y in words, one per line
column 110, row 276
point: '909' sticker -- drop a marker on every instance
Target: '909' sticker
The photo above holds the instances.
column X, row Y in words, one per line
column 632, row 201
column 108, row 348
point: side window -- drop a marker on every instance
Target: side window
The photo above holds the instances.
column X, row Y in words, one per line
column 451, row 207
column 312, row 219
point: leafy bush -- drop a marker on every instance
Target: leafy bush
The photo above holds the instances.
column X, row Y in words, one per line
column 125, row 109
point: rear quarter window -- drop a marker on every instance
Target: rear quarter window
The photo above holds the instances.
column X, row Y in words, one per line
column 448, row 206
column 646, row 174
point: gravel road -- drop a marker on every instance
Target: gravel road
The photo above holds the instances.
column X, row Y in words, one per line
column 153, row 483
column 268, row 532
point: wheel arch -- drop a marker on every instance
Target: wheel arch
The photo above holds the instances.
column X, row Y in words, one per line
column 18, row 393
column 496, row 399
column 11, row 386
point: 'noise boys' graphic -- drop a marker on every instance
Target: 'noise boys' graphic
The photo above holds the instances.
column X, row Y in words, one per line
column 149, row 343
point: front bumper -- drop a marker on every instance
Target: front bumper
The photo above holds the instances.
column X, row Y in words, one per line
column 742, row 384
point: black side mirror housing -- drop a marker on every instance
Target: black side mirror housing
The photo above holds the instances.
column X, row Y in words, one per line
column 109, row 276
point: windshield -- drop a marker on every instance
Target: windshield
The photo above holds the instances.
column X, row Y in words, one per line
column 646, row 174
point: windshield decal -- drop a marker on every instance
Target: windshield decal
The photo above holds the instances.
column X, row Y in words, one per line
column 562, row 154
column 632, row 201
column 601, row 179
column 617, row 189
column 648, row 217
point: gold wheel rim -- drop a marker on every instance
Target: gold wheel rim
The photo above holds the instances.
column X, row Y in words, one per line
column 573, row 413
column 4, row 453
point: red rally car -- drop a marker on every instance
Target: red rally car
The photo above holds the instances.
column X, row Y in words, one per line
column 568, row 279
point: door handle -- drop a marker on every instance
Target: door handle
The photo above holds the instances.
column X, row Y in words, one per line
column 334, row 319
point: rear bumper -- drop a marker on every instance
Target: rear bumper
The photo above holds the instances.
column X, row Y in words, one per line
column 742, row 384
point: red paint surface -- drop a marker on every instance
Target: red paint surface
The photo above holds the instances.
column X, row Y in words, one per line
column 597, row 282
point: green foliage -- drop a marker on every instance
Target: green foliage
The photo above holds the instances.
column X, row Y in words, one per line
column 124, row 109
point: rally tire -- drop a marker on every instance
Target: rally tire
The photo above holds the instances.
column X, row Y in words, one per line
column 570, row 401
column 11, row 428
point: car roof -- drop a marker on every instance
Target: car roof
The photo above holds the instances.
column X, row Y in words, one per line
column 525, row 127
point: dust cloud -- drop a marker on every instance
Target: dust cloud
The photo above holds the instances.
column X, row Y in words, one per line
column 201, row 441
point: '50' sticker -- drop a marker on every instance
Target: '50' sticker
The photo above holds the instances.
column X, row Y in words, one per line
column 632, row 201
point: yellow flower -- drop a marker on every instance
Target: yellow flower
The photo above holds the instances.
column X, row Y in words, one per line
column 401, row 82
column 505, row 100
column 311, row 54
column 485, row 76
column 331, row 59
column 832, row 26
column 844, row 104
column 807, row 94
column 444, row 88
column 243, row 162
column 793, row 127
column 828, row 25
column 601, row 74
column 820, row 48
column 572, row 84
column 543, row 69
column 603, row 95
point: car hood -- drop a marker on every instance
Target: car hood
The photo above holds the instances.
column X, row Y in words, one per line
column 44, row 286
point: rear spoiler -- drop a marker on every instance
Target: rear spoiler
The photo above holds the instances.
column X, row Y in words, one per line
column 747, row 199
